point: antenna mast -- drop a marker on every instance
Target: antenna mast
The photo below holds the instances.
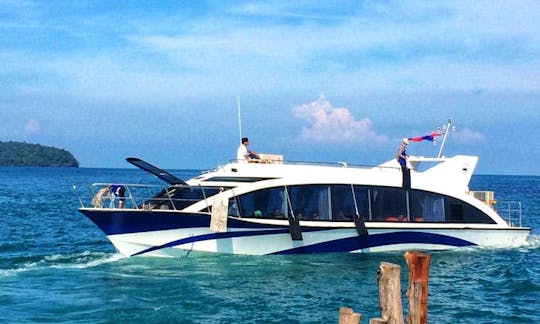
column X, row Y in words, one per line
column 239, row 118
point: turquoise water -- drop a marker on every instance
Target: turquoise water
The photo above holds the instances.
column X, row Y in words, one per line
column 56, row 266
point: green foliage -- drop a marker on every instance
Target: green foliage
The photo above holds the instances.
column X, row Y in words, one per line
column 24, row 154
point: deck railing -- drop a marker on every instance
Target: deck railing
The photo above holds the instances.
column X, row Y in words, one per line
column 137, row 196
column 510, row 211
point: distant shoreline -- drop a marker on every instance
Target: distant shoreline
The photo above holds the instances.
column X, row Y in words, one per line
column 22, row 154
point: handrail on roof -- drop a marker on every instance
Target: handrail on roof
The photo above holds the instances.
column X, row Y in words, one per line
column 312, row 163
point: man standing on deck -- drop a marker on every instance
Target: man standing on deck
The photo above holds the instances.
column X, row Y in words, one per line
column 243, row 154
column 117, row 191
column 402, row 157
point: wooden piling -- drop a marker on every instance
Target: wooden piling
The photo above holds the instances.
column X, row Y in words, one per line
column 388, row 276
column 418, row 264
column 347, row 316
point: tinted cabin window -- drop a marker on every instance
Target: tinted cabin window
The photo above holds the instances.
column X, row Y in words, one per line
column 233, row 207
column 362, row 201
column 426, row 206
column 187, row 196
column 458, row 211
column 388, row 204
column 342, row 203
column 336, row 202
column 310, row 202
column 182, row 197
column 265, row 203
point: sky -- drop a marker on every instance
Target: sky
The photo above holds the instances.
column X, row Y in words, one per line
column 314, row 81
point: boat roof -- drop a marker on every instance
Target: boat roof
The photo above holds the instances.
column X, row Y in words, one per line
column 445, row 174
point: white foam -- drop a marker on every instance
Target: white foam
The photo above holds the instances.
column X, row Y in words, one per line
column 83, row 260
column 13, row 272
column 533, row 242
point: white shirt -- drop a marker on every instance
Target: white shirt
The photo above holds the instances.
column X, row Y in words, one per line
column 241, row 153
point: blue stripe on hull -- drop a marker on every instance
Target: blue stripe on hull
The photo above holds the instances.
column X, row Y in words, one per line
column 333, row 246
column 378, row 240
column 125, row 222
column 213, row 236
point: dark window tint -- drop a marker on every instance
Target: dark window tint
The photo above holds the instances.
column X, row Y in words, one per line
column 337, row 202
column 458, row 211
column 426, row 206
column 233, row 207
column 184, row 197
column 266, row 203
column 361, row 193
column 342, row 203
column 310, row 202
column 388, row 204
column 181, row 197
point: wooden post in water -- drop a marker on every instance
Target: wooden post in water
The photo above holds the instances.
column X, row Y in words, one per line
column 346, row 316
column 389, row 294
column 418, row 264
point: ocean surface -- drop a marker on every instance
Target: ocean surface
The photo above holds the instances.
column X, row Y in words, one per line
column 56, row 266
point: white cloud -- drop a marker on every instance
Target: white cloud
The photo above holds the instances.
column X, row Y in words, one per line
column 467, row 135
column 329, row 124
column 32, row 126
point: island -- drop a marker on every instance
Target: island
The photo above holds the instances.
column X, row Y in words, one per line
column 25, row 154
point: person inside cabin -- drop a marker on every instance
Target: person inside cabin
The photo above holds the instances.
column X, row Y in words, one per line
column 340, row 216
column 401, row 157
column 243, row 154
column 117, row 191
column 277, row 213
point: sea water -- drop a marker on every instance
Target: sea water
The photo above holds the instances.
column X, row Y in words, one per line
column 56, row 266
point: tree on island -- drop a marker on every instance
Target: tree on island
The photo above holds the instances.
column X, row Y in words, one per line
column 25, row 154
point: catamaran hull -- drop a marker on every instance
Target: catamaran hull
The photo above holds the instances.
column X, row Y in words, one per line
column 173, row 234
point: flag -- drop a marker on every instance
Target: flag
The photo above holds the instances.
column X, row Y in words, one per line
column 430, row 137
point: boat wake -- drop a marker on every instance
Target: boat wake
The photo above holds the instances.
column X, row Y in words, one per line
column 533, row 242
column 83, row 260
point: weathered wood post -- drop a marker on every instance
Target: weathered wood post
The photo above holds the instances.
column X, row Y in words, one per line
column 346, row 316
column 388, row 276
column 418, row 264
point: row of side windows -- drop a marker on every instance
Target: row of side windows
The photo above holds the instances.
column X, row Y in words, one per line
column 341, row 202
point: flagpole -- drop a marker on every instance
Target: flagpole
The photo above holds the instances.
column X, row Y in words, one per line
column 444, row 138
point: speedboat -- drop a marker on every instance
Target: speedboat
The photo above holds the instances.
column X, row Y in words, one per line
column 271, row 206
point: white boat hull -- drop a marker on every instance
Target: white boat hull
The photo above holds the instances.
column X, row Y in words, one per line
column 262, row 238
column 279, row 208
